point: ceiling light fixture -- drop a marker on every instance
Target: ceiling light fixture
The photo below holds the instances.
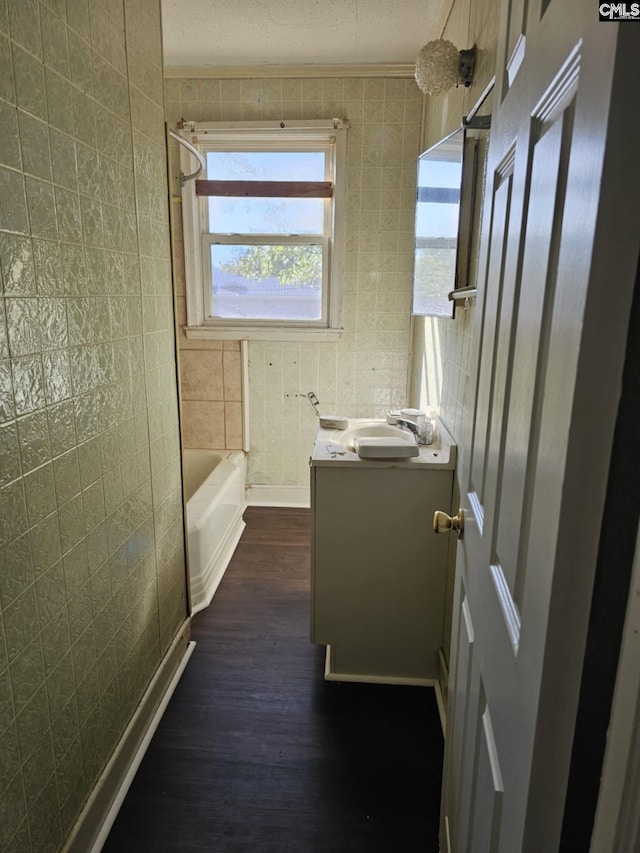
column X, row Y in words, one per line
column 440, row 65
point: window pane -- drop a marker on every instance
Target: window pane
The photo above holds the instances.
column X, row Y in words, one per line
column 265, row 165
column 266, row 215
column 266, row 282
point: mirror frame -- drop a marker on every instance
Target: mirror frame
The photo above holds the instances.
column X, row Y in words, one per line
column 466, row 206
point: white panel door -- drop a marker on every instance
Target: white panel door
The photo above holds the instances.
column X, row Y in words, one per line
column 559, row 250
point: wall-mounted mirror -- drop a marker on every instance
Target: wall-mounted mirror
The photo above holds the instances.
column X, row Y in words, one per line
column 444, row 209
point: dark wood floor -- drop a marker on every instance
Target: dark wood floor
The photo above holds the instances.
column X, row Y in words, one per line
column 256, row 753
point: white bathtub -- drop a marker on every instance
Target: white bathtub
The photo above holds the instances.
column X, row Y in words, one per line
column 215, row 493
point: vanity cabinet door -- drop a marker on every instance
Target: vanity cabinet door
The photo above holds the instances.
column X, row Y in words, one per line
column 378, row 570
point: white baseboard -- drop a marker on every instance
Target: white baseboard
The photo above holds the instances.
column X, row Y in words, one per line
column 96, row 819
column 291, row 496
column 358, row 678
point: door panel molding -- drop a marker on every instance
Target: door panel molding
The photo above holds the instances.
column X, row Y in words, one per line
column 561, row 91
column 487, row 829
column 463, row 687
column 507, row 606
column 520, row 418
column 516, row 59
column 516, row 40
column 477, row 510
column 493, row 289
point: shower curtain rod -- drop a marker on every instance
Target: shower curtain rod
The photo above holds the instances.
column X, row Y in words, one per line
column 193, row 150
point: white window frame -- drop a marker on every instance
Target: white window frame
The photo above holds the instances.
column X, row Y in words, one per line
column 328, row 135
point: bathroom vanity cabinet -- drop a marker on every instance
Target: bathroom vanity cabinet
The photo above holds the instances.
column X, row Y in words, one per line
column 378, row 571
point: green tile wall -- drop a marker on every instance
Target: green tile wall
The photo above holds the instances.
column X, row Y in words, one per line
column 92, row 576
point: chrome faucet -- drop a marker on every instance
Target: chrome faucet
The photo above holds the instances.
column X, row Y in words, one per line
column 422, row 433
column 410, row 426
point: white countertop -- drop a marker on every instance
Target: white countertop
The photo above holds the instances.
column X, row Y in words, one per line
column 334, row 447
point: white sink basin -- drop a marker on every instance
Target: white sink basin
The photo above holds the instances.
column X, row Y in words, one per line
column 378, row 440
column 374, row 429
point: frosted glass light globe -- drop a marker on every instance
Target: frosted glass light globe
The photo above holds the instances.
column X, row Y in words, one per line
column 437, row 67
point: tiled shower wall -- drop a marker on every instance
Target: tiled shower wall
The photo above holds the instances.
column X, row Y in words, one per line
column 92, row 579
column 210, row 371
column 366, row 372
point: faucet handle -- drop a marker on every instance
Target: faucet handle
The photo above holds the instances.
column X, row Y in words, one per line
column 411, row 414
column 424, row 429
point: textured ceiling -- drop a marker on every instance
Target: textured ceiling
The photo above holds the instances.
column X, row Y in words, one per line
column 286, row 32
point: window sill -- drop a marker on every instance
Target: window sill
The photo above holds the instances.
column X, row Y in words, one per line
column 263, row 333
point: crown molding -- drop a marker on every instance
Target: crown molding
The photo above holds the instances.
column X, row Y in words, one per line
column 227, row 72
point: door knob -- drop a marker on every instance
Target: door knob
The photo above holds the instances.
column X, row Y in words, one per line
column 443, row 523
